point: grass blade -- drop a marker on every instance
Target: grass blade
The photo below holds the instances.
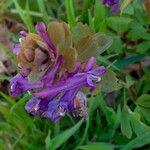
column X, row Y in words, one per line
column 25, row 17
column 99, row 14
column 70, row 12
column 3, row 77
column 86, row 4
column 7, row 98
column 43, row 11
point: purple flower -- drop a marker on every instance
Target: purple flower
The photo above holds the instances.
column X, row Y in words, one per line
column 20, row 84
column 56, row 110
column 58, row 99
column 37, row 106
column 47, row 108
column 57, row 85
column 113, row 4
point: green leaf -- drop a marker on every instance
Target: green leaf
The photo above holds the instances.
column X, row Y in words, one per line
column 125, row 122
column 99, row 14
column 143, row 47
column 18, row 107
column 97, row 146
column 3, row 77
column 109, row 82
column 124, row 5
column 129, row 10
column 118, row 24
column 131, row 121
column 91, row 21
column 117, row 118
column 108, row 111
column 138, row 141
column 48, row 141
column 86, row 4
column 64, row 136
column 143, row 103
column 8, row 99
column 117, row 44
column 137, row 126
column 137, row 31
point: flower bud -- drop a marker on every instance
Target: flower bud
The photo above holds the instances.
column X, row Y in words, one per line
column 34, row 52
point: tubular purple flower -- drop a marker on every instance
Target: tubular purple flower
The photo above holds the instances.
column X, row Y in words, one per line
column 20, row 84
column 41, row 30
column 32, row 106
column 77, row 81
column 38, row 106
column 56, row 110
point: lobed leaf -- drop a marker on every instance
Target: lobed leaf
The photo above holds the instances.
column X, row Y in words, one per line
column 143, row 103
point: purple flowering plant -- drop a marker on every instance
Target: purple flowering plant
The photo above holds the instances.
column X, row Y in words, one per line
column 56, row 64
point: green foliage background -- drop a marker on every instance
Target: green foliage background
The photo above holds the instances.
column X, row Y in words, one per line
column 123, row 124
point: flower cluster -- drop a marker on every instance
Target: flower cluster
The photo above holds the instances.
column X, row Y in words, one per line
column 113, row 4
column 52, row 71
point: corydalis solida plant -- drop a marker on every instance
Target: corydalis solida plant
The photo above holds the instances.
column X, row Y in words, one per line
column 55, row 65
